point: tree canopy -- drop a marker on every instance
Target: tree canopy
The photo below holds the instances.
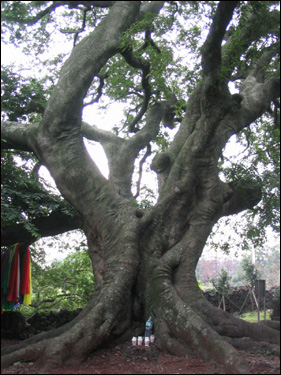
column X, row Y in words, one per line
column 191, row 76
column 159, row 56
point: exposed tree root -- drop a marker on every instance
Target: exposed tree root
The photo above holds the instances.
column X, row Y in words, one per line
column 181, row 327
column 209, row 344
column 198, row 325
column 188, row 333
column 73, row 342
column 72, row 346
column 247, row 344
column 228, row 325
column 196, row 335
column 272, row 324
column 44, row 335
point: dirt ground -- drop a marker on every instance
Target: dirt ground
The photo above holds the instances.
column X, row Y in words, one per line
column 126, row 359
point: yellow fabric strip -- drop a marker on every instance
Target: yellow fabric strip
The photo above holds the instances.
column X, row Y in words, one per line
column 27, row 297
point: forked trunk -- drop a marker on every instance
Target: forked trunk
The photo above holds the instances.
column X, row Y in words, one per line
column 133, row 283
column 144, row 262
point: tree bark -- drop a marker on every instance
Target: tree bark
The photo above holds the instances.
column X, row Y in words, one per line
column 144, row 261
column 56, row 223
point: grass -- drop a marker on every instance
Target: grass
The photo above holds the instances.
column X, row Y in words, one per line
column 252, row 317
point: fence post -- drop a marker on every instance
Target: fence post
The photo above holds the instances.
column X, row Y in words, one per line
column 260, row 293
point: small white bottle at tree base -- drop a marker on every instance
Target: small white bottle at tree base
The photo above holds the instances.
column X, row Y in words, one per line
column 148, row 327
column 146, row 341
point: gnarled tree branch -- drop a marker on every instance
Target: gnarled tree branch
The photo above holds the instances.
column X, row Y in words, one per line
column 139, row 63
column 56, row 223
column 211, row 51
column 18, row 136
column 142, row 161
column 95, row 99
column 241, row 198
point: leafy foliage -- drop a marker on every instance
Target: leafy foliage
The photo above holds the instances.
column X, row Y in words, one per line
column 251, row 273
column 23, row 195
column 152, row 78
column 259, row 162
column 38, row 23
column 66, row 284
column 21, row 99
column 268, row 264
column 222, row 283
column 156, row 40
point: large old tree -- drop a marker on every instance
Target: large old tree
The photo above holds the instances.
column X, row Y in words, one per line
column 144, row 259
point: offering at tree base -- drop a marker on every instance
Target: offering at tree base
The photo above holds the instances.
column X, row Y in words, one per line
column 193, row 76
column 148, row 327
column 140, row 340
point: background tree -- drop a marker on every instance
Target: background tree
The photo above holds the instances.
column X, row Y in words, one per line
column 250, row 272
column 222, row 283
column 64, row 284
column 144, row 259
column 267, row 266
column 268, row 263
column 209, row 268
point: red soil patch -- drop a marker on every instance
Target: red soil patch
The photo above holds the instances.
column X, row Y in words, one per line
column 126, row 359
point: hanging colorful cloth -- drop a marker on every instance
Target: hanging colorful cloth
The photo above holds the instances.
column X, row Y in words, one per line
column 5, row 278
column 13, row 292
column 15, row 278
column 25, row 288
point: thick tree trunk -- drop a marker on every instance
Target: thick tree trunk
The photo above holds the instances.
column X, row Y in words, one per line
column 141, row 276
column 144, row 262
